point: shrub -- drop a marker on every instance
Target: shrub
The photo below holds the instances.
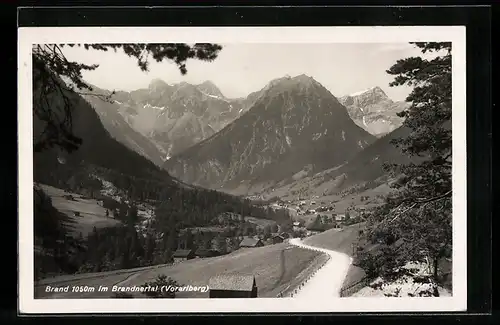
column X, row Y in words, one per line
column 161, row 281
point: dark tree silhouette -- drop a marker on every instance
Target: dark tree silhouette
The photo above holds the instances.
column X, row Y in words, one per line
column 54, row 75
column 419, row 211
column 161, row 281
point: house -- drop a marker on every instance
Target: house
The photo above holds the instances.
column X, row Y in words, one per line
column 285, row 235
column 251, row 242
column 277, row 239
column 340, row 217
column 183, row 255
column 69, row 197
column 232, row 286
column 203, row 253
column 297, row 225
column 267, row 242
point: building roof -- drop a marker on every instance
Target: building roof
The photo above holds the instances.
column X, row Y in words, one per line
column 206, row 252
column 249, row 242
column 202, row 252
column 183, row 252
column 235, row 282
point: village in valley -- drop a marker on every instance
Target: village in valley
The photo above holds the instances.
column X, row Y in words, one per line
column 227, row 232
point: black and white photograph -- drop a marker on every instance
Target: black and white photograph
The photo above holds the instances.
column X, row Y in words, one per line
column 321, row 167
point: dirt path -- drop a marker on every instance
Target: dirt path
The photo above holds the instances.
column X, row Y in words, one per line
column 328, row 280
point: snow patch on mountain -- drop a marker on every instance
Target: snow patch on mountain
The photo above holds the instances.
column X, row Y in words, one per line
column 361, row 92
column 372, row 110
column 212, row 96
column 148, row 105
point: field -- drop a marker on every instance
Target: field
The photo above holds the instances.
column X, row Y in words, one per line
column 275, row 267
column 91, row 213
column 260, row 222
column 338, row 240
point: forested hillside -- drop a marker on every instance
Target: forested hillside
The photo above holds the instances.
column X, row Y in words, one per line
column 83, row 170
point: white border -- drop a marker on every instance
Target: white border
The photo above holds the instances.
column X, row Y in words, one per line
column 36, row 35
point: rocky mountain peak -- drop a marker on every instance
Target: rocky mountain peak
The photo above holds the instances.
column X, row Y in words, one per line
column 375, row 93
column 304, row 78
column 210, row 89
column 157, row 83
column 184, row 89
column 289, row 84
column 294, row 122
column 373, row 110
column 378, row 90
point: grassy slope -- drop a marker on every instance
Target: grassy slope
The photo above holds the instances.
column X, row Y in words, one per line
column 273, row 274
column 91, row 214
column 366, row 166
column 260, row 222
column 340, row 241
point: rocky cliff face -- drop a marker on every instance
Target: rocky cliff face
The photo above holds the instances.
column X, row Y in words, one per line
column 374, row 111
column 175, row 117
column 117, row 126
column 293, row 122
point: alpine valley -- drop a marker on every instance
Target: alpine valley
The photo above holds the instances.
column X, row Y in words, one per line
column 291, row 129
column 269, row 195
column 182, row 154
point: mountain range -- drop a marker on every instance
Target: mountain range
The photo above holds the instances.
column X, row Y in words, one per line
column 374, row 111
column 292, row 126
column 101, row 157
column 294, row 122
column 172, row 117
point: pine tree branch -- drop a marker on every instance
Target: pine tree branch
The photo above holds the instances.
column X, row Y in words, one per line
column 419, row 201
column 436, row 198
column 403, row 212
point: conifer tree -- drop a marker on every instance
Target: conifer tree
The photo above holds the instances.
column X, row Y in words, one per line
column 419, row 211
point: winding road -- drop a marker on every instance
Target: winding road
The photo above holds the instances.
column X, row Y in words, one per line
column 328, row 280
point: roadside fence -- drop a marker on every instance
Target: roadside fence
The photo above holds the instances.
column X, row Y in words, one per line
column 296, row 289
column 354, row 287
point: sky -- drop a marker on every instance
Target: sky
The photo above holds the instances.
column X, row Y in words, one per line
column 244, row 68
